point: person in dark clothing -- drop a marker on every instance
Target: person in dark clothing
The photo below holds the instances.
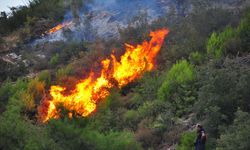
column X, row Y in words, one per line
column 201, row 138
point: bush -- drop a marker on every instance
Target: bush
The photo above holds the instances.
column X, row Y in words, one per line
column 244, row 32
column 70, row 135
column 235, row 137
column 215, row 44
column 36, row 89
column 196, row 58
column 187, row 141
column 17, row 132
column 230, row 41
column 178, row 88
column 54, row 60
column 131, row 117
column 149, row 85
column 181, row 73
column 45, row 76
column 222, row 91
column 6, row 90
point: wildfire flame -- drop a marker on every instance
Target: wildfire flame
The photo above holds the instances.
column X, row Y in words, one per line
column 88, row 92
column 59, row 27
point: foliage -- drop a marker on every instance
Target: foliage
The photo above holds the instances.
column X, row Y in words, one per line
column 196, row 58
column 230, row 40
column 45, row 76
column 244, row 32
column 64, row 72
column 73, row 137
column 11, row 71
column 178, row 88
column 148, row 86
column 181, row 73
column 187, row 141
column 222, row 92
column 48, row 9
column 235, row 136
column 113, row 140
column 54, row 60
column 33, row 94
column 145, row 114
column 216, row 42
column 17, row 133
column 6, row 90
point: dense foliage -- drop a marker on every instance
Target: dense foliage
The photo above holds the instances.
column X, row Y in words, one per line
column 203, row 76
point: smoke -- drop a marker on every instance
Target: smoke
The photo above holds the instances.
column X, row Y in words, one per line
column 102, row 19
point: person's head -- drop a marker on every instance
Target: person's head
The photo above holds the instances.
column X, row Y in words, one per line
column 199, row 127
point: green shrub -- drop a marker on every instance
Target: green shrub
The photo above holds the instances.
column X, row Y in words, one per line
column 215, row 44
column 33, row 94
column 149, row 85
column 178, row 88
column 17, row 132
column 71, row 136
column 187, row 141
column 54, row 60
column 235, row 137
column 244, row 32
column 131, row 118
column 181, row 73
column 196, row 58
column 6, row 90
column 45, row 76
column 64, row 72
column 113, row 140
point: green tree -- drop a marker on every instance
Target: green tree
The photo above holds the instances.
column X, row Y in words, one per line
column 17, row 132
column 178, row 88
column 236, row 135
column 215, row 44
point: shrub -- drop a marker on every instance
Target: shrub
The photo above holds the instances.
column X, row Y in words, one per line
column 149, row 85
column 223, row 90
column 187, row 141
column 181, row 73
column 215, row 44
column 36, row 89
column 54, row 60
column 68, row 70
column 6, row 90
column 196, row 58
column 244, row 32
column 235, row 137
column 131, row 117
column 17, row 133
column 178, row 88
column 45, row 76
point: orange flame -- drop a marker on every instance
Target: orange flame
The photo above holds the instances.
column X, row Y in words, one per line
column 59, row 27
column 88, row 92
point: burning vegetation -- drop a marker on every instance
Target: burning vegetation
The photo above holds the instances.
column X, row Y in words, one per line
column 115, row 72
column 59, row 27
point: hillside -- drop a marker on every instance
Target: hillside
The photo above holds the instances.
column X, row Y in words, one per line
column 125, row 74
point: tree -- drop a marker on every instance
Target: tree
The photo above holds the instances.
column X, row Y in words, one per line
column 236, row 135
column 16, row 132
column 178, row 88
column 215, row 44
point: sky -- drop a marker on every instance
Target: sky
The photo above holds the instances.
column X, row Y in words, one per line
column 5, row 4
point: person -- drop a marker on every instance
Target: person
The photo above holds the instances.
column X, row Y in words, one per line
column 201, row 138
